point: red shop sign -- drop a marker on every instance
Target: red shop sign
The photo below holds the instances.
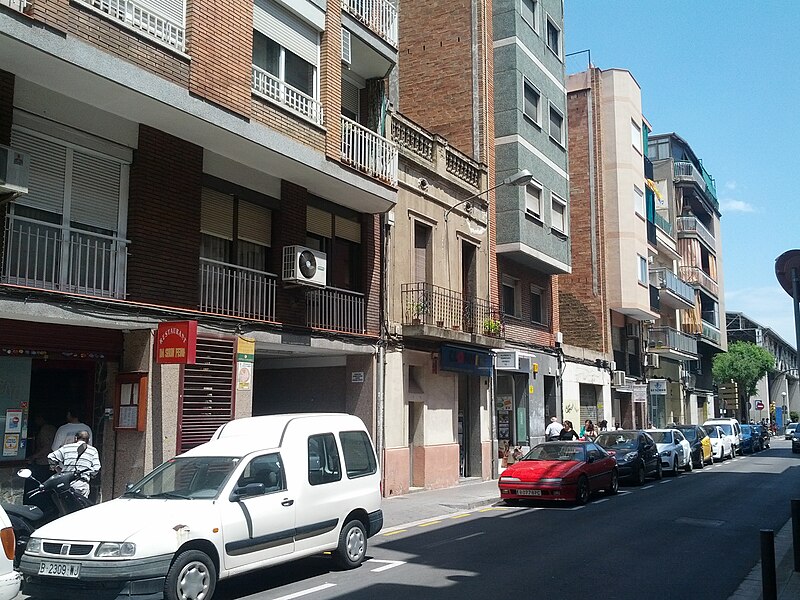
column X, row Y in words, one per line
column 176, row 343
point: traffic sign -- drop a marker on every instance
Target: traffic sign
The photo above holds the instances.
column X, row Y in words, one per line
column 759, row 405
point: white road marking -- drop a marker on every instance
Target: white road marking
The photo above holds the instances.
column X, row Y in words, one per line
column 663, row 481
column 389, row 564
column 302, row 593
column 601, row 501
column 472, row 535
column 647, row 487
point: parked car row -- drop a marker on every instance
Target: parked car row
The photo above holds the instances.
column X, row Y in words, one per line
column 573, row 470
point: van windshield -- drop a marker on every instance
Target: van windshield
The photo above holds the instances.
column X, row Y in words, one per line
column 186, row 478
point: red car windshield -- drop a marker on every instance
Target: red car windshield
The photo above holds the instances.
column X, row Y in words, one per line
column 553, row 451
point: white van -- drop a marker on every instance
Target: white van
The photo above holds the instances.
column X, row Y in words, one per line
column 263, row 491
column 731, row 429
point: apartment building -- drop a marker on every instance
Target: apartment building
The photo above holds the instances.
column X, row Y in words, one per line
column 218, row 165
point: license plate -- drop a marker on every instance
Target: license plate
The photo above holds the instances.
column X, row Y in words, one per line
column 529, row 492
column 60, row 569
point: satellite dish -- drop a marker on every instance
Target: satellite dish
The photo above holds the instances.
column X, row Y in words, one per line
column 307, row 263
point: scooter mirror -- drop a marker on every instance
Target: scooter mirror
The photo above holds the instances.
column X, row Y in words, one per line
column 24, row 473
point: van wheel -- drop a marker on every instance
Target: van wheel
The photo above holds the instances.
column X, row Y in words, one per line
column 192, row 576
column 352, row 545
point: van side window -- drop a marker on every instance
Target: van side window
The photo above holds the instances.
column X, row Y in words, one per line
column 323, row 459
column 266, row 469
column 359, row 459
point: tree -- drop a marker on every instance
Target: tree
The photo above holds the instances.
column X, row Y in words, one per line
column 744, row 363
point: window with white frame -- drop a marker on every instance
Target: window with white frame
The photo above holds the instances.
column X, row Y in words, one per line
column 636, row 137
column 558, row 214
column 638, row 201
column 642, row 269
column 539, row 312
column 510, row 296
column 533, row 199
column 556, row 125
column 553, row 37
column 532, row 102
column 530, row 13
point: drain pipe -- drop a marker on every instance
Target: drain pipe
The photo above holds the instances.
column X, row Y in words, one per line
column 380, row 377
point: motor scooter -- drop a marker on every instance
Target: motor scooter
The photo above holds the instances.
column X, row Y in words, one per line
column 26, row 518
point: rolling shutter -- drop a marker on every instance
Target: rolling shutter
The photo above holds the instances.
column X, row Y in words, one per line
column 216, row 214
column 171, row 9
column 286, row 29
column 47, row 172
column 207, row 393
column 349, row 97
column 319, row 222
column 95, row 191
column 348, row 230
column 255, row 223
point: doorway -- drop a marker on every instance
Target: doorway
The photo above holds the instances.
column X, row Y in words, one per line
column 58, row 386
column 469, row 434
column 416, row 411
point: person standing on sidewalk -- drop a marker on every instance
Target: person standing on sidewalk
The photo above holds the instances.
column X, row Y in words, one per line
column 79, row 457
column 553, row 430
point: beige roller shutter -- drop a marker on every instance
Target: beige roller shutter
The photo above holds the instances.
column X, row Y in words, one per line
column 319, row 222
column 216, row 214
column 47, row 173
column 255, row 223
column 348, row 230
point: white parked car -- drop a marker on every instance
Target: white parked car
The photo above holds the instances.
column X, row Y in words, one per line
column 9, row 578
column 263, row 491
column 790, row 430
column 721, row 445
column 731, row 428
column 673, row 449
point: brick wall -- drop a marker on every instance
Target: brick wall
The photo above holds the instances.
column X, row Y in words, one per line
column 584, row 311
column 330, row 79
column 289, row 228
column 164, row 220
column 219, row 38
column 522, row 330
column 371, row 270
column 288, row 124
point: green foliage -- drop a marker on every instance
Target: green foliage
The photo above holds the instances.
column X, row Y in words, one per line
column 794, row 416
column 492, row 326
column 745, row 363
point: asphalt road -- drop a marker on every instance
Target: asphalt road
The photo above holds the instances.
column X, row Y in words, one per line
column 691, row 536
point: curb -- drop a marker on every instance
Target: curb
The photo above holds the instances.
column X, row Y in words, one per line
column 458, row 509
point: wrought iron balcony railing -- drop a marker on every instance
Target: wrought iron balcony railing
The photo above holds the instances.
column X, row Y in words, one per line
column 424, row 303
column 334, row 309
column 58, row 257
column 236, row 291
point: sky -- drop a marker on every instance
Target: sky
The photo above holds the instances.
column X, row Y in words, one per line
column 724, row 76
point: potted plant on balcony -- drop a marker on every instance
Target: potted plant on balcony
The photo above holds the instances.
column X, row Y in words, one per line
column 491, row 327
column 417, row 310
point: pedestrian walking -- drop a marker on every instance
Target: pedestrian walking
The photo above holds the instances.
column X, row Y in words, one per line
column 78, row 457
column 66, row 433
column 568, row 433
column 553, row 429
column 603, row 425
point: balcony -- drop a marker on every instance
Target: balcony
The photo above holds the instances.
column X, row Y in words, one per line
column 693, row 227
column 273, row 89
column 379, row 16
column 710, row 332
column 55, row 257
column 333, row 309
column 662, row 223
column 672, row 343
column 369, row 152
column 674, row 292
column 655, row 299
column 696, row 276
column 236, row 291
column 685, row 170
column 18, row 5
column 437, row 313
column 167, row 29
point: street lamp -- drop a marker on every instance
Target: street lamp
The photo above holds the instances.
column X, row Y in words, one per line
column 518, row 179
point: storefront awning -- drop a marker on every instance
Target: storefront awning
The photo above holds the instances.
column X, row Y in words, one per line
column 465, row 360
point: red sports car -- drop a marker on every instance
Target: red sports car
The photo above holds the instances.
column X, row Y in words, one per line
column 560, row 471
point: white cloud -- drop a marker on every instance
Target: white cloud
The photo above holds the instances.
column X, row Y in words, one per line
column 729, row 205
column 769, row 306
column 731, row 185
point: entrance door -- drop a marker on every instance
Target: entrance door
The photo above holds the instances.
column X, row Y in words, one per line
column 61, row 385
column 463, row 428
column 415, row 438
column 469, row 276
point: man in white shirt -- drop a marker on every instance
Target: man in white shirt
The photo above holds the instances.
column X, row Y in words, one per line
column 77, row 457
column 553, row 429
column 66, row 433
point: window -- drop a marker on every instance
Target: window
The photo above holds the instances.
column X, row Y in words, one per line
column 359, row 458
column 553, row 38
column 559, row 214
column 510, row 296
column 340, row 239
column 642, row 270
column 266, row 469
column 532, row 102
column 636, row 137
column 539, row 312
column 530, row 13
column 284, row 64
column 533, row 199
column 556, row 125
column 323, row 459
column 638, row 201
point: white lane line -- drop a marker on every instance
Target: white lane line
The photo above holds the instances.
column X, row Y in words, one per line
column 647, row 487
column 471, row 535
column 663, row 481
column 302, row 593
column 601, row 501
column 389, row 564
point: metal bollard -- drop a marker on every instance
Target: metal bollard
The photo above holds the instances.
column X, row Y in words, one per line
column 796, row 532
column 769, row 583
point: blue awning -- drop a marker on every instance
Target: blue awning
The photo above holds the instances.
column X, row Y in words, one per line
column 466, row 360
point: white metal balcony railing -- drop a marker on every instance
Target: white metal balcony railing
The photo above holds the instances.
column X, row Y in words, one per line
column 18, row 5
column 701, row 278
column 663, row 278
column 237, row 291
column 270, row 87
column 55, row 257
column 369, row 152
column 335, row 310
column 143, row 19
column 693, row 225
column 378, row 15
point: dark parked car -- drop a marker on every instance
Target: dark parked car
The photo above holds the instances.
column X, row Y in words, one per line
column 796, row 442
column 635, row 451
column 751, row 441
column 763, row 433
column 701, row 451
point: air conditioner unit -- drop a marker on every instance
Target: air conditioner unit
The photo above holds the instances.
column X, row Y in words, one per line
column 632, row 330
column 347, row 51
column 652, row 359
column 304, row 266
column 14, row 169
column 618, row 378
